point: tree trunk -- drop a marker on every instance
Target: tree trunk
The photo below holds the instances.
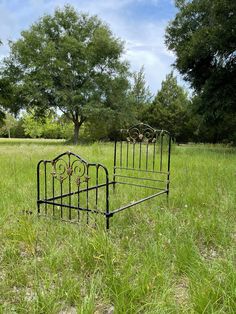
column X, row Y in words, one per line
column 76, row 132
column 9, row 133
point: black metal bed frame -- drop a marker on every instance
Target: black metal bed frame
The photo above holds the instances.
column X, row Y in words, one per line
column 72, row 189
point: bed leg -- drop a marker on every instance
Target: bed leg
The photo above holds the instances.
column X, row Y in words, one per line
column 107, row 222
column 38, row 206
column 167, row 198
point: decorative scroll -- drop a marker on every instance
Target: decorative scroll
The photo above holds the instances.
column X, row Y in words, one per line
column 63, row 169
column 141, row 133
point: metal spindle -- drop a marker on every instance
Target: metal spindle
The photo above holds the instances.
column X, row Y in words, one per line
column 87, row 192
column 133, row 153
column 45, row 187
column 53, row 195
column 78, row 200
column 114, row 166
column 127, row 154
column 121, row 153
column 61, row 182
column 154, row 156
column 96, row 195
column 147, row 157
column 140, row 154
column 161, row 150
column 69, row 183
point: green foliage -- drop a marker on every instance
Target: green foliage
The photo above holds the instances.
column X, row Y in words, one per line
column 50, row 126
column 32, row 127
column 140, row 92
column 170, row 110
column 210, row 128
column 10, row 98
column 203, row 37
column 68, row 61
column 9, row 122
column 118, row 111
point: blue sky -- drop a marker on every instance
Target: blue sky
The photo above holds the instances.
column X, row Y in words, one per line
column 141, row 24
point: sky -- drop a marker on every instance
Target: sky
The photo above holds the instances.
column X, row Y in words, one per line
column 141, row 24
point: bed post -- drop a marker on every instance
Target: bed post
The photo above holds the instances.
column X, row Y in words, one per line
column 38, row 186
column 168, row 175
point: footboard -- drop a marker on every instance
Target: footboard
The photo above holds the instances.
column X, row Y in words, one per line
column 72, row 189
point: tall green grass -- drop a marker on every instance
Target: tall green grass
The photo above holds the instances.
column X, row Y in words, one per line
column 155, row 259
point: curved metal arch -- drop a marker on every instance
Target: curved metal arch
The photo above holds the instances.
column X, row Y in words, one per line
column 143, row 132
column 62, row 168
column 69, row 153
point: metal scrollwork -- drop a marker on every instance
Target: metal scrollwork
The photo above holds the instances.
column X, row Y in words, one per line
column 62, row 169
column 79, row 169
column 140, row 133
column 59, row 169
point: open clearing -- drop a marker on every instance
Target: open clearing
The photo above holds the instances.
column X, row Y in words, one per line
column 154, row 259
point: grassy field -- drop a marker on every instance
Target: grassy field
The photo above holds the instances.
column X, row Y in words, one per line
column 155, row 259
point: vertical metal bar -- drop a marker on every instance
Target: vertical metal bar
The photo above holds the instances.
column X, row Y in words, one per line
column 168, row 175
column 107, row 200
column 121, row 153
column 61, row 182
column 127, row 154
column 140, row 154
column 78, row 203
column 154, row 155
column 45, row 186
column 96, row 195
column 87, row 193
column 133, row 153
column 38, row 186
column 161, row 150
column 53, row 195
column 69, row 183
column 147, row 157
column 114, row 166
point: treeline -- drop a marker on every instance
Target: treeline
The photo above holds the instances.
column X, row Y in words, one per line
column 66, row 77
column 171, row 109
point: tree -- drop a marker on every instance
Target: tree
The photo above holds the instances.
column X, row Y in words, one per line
column 67, row 61
column 140, row 94
column 2, row 114
column 203, row 37
column 32, row 127
column 9, row 123
column 170, row 110
column 140, row 91
column 118, row 112
column 51, row 126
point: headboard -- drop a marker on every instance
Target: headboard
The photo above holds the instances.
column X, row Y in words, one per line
column 142, row 153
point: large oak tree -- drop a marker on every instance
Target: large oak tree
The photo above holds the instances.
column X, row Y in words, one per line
column 68, row 61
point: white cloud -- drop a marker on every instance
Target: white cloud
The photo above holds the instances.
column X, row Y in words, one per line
column 144, row 39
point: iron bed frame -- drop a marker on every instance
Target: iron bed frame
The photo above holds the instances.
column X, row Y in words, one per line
column 71, row 188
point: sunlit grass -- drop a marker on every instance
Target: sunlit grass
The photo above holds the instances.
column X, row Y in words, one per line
column 155, row 259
